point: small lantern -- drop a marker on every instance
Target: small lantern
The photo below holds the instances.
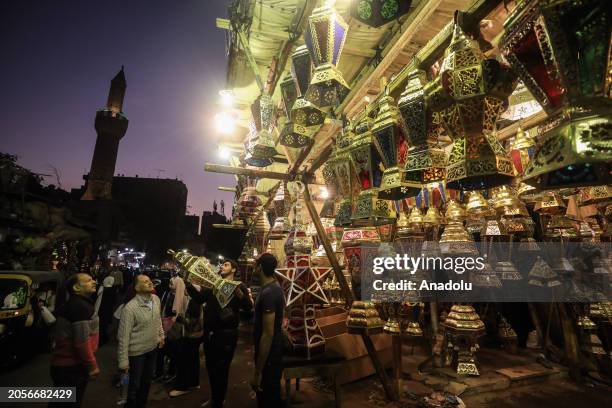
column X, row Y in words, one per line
column 366, row 162
column 521, row 150
column 470, row 94
column 325, row 36
column 392, row 145
column 561, row 52
column 425, row 162
column 375, row 13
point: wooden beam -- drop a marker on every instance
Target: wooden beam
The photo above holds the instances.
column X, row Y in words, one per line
column 228, row 189
column 346, row 292
column 220, row 168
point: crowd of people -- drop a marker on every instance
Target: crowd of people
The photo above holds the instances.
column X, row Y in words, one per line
column 160, row 333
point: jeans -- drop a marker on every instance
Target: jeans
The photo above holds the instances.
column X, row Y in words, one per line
column 70, row 376
column 188, row 364
column 219, row 350
column 270, row 396
column 141, row 372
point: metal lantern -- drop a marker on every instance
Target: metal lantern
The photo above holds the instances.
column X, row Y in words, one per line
column 392, row 145
column 325, row 36
column 521, row 150
column 375, row 13
column 469, row 95
column 263, row 113
column 288, row 93
column 425, row 163
column 561, row 49
column 260, row 145
column 463, row 328
column 303, row 112
column 366, row 162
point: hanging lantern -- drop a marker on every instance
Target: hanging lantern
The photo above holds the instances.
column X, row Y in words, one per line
column 359, row 245
column 375, row 13
column 390, row 141
column 477, row 210
column 549, row 203
column 263, row 113
column 303, row 112
column 521, row 104
column 288, row 93
column 325, row 36
column 425, row 163
column 470, row 93
column 260, row 145
column 541, row 274
column 366, row 162
column 561, row 52
column 521, row 150
column 345, row 180
column 596, row 195
column 485, row 277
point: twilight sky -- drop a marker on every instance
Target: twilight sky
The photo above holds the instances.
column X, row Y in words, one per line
column 57, row 60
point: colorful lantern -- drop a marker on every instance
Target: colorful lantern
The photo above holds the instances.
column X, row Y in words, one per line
column 260, row 145
column 325, row 36
column 375, row 13
column 366, row 162
column 303, row 112
column 425, row 162
column 392, row 145
column 561, row 49
column 521, row 150
column 469, row 94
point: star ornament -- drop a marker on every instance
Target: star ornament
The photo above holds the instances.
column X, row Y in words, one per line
column 302, row 283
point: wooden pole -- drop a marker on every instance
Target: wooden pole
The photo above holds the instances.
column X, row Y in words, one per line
column 346, row 292
column 221, row 168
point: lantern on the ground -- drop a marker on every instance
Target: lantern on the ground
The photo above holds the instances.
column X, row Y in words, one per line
column 366, row 162
column 392, row 145
column 426, row 163
column 375, row 13
column 463, row 328
column 561, row 52
column 469, row 95
column 325, row 36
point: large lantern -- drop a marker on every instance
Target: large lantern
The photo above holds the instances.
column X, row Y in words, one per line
column 366, row 162
column 325, row 36
column 470, row 93
column 561, row 50
column 339, row 167
column 376, row 13
column 425, row 162
column 304, row 118
column 392, row 145
column 260, row 145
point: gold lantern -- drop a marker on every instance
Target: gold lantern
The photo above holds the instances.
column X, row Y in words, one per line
column 392, row 145
column 324, row 37
column 366, row 163
column 469, row 95
column 561, row 49
column 541, row 274
column 303, row 112
column 477, row 210
column 426, row 163
column 463, row 328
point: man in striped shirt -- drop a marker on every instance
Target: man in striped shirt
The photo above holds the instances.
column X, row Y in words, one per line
column 140, row 334
column 73, row 362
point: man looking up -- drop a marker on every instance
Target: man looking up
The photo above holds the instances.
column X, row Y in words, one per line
column 73, row 362
column 140, row 334
column 220, row 331
column 269, row 312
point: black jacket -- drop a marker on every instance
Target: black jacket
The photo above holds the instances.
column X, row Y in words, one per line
column 215, row 318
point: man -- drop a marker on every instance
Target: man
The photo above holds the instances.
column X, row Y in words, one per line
column 221, row 331
column 269, row 311
column 73, row 362
column 140, row 334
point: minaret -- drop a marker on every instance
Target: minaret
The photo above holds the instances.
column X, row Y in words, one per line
column 111, row 124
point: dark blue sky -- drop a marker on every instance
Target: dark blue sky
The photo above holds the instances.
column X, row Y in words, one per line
column 57, row 60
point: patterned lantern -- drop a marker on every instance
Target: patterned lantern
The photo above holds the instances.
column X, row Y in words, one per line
column 425, row 162
column 392, row 145
column 375, row 13
column 303, row 112
column 521, row 150
column 260, row 145
column 561, row 50
column 360, row 246
column 288, row 93
column 366, row 162
column 463, row 328
column 339, row 167
column 469, row 94
column 325, row 36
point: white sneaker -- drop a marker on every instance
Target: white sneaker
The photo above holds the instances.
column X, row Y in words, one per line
column 206, row 404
